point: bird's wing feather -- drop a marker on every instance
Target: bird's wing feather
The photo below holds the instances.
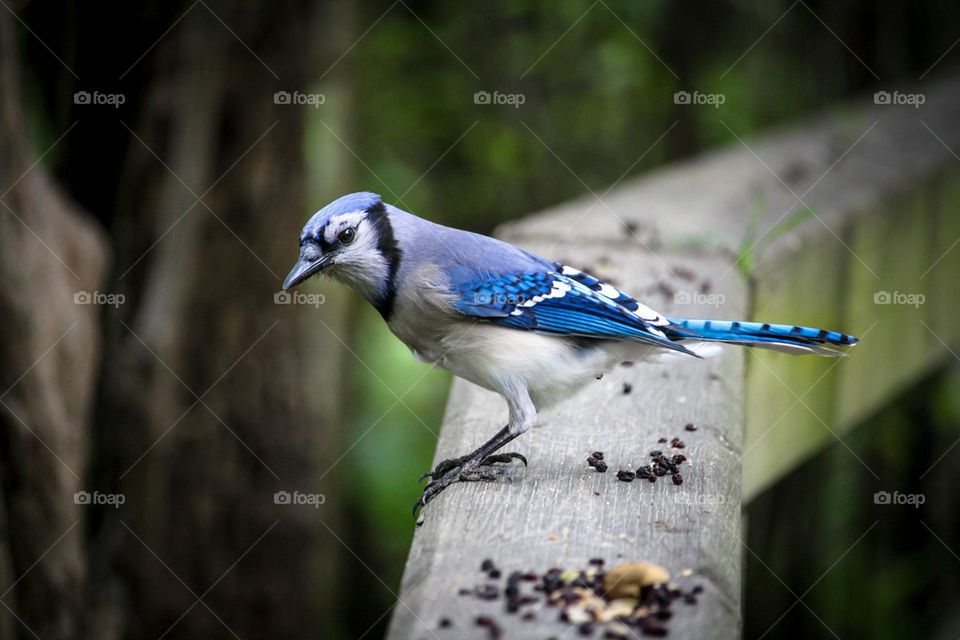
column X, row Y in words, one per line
column 564, row 301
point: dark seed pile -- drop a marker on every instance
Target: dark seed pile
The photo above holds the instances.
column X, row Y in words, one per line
column 595, row 460
column 660, row 464
column 629, row 599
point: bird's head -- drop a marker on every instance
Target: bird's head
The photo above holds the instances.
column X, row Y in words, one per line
column 352, row 240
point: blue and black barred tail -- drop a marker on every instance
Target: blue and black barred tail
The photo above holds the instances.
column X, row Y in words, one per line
column 778, row 337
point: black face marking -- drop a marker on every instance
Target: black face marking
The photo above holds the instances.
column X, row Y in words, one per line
column 319, row 240
column 388, row 248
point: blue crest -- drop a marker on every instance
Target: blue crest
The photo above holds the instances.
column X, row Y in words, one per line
column 360, row 201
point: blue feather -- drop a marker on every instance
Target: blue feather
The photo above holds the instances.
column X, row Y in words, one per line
column 764, row 333
column 565, row 302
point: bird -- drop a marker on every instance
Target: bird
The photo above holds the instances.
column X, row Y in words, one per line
column 530, row 329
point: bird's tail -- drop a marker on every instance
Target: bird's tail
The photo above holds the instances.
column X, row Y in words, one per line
column 778, row 337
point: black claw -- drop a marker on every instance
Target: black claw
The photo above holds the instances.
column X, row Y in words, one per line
column 503, row 458
column 443, row 467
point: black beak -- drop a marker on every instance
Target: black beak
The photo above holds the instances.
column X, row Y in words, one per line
column 304, row 269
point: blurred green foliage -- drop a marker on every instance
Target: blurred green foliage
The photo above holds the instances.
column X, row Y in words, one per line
column 874, row 570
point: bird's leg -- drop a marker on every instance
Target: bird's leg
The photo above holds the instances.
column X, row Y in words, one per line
column 465, row 468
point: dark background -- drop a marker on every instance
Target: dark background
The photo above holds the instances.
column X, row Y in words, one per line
column 198, row 397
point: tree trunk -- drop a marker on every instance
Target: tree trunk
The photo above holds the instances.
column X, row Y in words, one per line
column 52, row 261
column 216, row 396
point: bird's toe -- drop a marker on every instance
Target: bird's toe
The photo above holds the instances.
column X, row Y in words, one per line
column 503, row 458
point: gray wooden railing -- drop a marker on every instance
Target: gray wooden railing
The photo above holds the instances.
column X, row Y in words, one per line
column 869, row 196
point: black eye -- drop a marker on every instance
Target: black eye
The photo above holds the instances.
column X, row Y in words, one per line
column 346, row 236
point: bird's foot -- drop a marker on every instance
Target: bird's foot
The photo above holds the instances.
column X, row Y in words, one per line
column 462, row 469
column 445, row 466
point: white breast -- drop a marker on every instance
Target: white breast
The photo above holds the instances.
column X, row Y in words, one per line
column 552, row 367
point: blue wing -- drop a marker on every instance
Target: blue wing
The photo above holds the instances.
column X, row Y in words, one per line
column 568, row 302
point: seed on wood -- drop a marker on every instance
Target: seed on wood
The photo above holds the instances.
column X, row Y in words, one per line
column 596, row 561
column 601, row 466
column 488, row 592
column 689, row 427
column 445, row 623
column 652, row 627
column 645, row 472
column 656, row 453
column 494, row 573
column 677, row 478
column 626, row 580
column 487, row 565
column 465, row 592
column 625, row 476
column 679, row 459
column 529, row 616
column 662, row 440
column 697, row 589
column 598, row 455
column 587, row 628
column 627, row 388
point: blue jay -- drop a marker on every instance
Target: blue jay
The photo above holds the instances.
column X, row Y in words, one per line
column 530, row 329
